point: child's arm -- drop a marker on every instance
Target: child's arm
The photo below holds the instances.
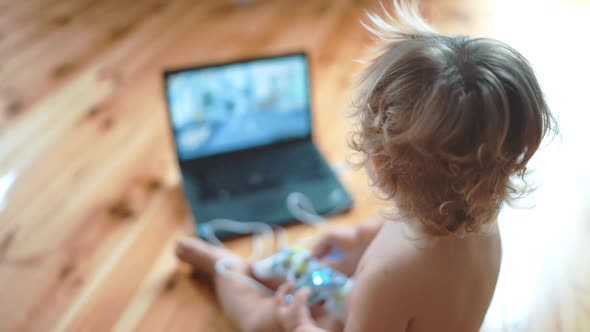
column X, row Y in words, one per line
column 347, row 238
column 342, row 248
column 369, row 229
column 385, row 296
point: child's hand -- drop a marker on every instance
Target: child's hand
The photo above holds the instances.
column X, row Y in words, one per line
column 340, row 248
column 292, row 310
column 334, row 241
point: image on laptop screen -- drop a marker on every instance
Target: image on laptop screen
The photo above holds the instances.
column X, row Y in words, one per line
column 237, row 106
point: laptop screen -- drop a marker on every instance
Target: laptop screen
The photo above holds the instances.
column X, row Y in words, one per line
column 238, row 106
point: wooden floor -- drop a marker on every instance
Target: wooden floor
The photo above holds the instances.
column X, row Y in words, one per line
column 90, row 200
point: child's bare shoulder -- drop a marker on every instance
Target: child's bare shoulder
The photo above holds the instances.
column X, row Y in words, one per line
column 388, row 280
column 394, row 247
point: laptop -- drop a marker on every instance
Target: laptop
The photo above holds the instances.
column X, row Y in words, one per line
column 243, row 138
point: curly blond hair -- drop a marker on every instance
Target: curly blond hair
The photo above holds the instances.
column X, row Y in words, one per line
column 448, row 122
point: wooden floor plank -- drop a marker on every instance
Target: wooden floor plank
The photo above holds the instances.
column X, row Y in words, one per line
column 24, row 79
column 117, row 281
column 42, row 20
column 15, row 11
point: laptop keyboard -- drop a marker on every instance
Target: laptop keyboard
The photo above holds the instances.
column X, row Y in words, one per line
column 268, row 170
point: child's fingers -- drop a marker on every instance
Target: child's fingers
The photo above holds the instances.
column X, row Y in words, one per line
column 294, row 313
column 301, row 297
column 283, row 291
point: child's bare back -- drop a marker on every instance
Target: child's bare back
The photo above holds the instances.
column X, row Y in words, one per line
column 425, row 284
